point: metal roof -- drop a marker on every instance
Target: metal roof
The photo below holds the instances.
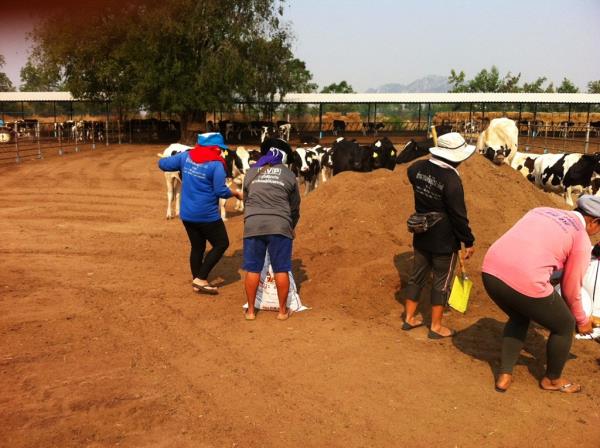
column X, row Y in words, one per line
column 381, row 98
column 36, row 96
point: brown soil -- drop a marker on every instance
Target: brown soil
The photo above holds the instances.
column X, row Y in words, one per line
column 104, row 343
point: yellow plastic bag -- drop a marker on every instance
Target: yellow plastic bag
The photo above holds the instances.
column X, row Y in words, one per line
column 461, row 288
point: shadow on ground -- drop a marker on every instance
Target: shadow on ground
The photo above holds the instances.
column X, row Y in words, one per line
column 483, row 341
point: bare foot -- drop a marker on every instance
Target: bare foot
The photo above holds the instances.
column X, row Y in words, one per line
column 560, row 385
column 249, row 316
column 442, row 331
column 503, row 382
column 414, row 321
column 283, row 316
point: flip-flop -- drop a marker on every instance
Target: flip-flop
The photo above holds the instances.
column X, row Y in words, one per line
column 286, row 316
column 249, row 317
column 407, row 327
column 565, row 388
column 433, row 335
column 205, row 289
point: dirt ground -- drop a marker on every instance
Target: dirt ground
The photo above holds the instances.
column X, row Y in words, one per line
column 103, row 342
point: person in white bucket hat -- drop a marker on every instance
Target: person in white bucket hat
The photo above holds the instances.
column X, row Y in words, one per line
column 439, row 195
column 453, row 148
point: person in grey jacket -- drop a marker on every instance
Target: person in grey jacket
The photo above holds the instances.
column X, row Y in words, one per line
column 271, row 212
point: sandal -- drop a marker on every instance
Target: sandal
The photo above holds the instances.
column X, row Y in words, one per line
column 407, row 327
column 434, row 335
column 206, row 289
column 569, row 388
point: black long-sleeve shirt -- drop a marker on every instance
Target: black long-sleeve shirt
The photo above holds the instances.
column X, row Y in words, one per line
column 439, row 189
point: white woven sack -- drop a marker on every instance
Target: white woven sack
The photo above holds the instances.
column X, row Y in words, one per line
column 590, row 289
column 266, row 295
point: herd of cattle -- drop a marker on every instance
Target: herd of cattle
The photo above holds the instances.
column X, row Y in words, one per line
column 77, row 131
column 262, row 129
column 311, row 164
column 566, row 174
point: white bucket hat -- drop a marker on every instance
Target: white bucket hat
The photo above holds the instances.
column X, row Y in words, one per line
column 452, row 147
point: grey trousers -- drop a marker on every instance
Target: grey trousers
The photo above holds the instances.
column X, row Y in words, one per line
column 441, row 266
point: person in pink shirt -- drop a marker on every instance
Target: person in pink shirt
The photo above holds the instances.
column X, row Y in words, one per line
column 516, row 274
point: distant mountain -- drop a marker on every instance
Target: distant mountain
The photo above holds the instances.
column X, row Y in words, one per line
column 427, row 84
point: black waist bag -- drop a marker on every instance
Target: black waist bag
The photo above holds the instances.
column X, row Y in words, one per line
column 422, row 222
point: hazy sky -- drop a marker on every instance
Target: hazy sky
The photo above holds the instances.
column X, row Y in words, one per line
column 370, row 43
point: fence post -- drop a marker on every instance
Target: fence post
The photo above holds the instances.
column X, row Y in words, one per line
column 76, row 138
column 119, row 130
column 587, row 137
column 106, row 133
column 17, row 141
column 38, row 141
column 60, row 148
column 93, row 135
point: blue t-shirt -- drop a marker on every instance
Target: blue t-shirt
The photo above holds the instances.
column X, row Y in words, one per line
column 202, row 186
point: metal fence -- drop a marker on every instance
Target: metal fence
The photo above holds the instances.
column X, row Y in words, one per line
column 36, row 140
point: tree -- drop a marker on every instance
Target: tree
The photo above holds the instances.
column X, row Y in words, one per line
column 178, row 56
column 342, row 87
column 457, row 81
column 594, row 86
column 567, row 87
column 536, row 86
column 510, row 83
column 6, row 84
column 484, row 81
column 37, row 77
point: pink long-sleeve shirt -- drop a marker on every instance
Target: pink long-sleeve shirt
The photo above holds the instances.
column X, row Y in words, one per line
column 543, row 241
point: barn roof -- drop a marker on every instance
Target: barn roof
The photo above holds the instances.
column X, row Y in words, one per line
column 381, row 98
column 36, row 96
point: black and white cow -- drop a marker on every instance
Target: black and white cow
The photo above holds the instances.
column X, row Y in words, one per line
column 228, row 128
column 339, row 127
column 263, row 129
column 173, row 179
column 595, row 126
column 524, row 163
column 350, row 156
column 372, row 127
column 384, row 154
column 306, row 165
column 567, row 174
column 238, row 163
column 499, row 139
column 326, row 159
column 284, row 128
column 414, row 149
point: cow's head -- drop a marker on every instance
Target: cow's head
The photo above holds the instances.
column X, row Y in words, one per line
column 497, row 155
column 363, row 159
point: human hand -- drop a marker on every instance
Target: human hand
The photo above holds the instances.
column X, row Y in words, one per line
column 238, row 194
column 469, row 252
column 585, row 329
